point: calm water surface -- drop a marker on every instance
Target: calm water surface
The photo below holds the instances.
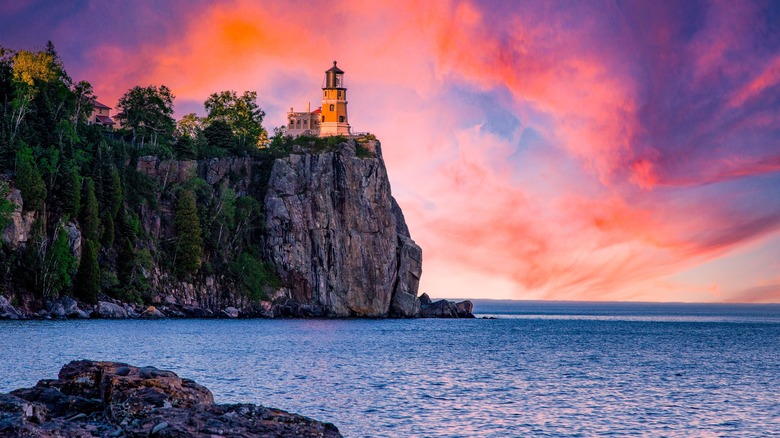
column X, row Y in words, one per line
column 541, row 368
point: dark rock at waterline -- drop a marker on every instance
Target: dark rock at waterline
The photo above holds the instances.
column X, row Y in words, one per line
column 109, row 310
column 7, row 311
column 445, row 309
column 105, row 399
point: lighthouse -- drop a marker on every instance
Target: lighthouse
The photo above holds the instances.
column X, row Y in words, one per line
column 333, row 119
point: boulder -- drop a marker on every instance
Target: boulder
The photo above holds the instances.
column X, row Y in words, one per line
column 108, row 310
column 7, row 311
column 439, row 309
column 115, row 399
column 151, row 312
column 465, row 309
column 229, row 312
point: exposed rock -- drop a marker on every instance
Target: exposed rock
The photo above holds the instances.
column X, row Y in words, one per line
column 113, row 399
column 18, row 229
column 334, row 236
column 105, row 309
column 229, row 312
column 65, row 307
column 425, row 299
column 7, row 311
column 465, row 309
column 151, row 312
column 74, row 239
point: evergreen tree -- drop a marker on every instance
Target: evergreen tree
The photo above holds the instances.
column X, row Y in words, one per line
column 29, row 180
column 59, row 265
column 71, row 191
column 87, row 285
column 189, row 237
column 90, row 219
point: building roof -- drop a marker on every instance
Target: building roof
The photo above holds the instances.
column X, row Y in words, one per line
column 317, row 111
column 100, row 105
column 105, row 120
column 334, row 69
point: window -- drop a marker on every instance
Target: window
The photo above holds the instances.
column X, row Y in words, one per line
column 332, row 107
column 324, row 94
column 323, row 118
column 341, row 119
column 339, row 94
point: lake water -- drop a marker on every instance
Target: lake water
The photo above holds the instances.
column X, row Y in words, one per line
column 539, row 369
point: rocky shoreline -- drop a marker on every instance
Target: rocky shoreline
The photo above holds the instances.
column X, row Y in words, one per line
column 109, row 399
column 107, row 308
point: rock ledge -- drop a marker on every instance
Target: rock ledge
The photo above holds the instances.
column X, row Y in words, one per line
column 109, row 399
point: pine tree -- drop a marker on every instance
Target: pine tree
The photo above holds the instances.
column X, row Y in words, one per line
column 90, row 219
column 189, row 237
column 29, row 180
column 87, row 285
column 71, row 191
column 59, row 265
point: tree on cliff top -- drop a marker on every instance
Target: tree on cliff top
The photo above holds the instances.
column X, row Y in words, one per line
column 241, row 113
column 148, row 113
column 189, row 237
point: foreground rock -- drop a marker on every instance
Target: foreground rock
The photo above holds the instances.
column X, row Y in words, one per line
column 109, row 399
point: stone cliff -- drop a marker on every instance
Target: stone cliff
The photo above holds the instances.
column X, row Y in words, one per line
column 338, row 238
column 328, row 226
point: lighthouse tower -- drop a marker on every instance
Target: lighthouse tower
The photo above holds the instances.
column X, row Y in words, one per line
column 333, row 119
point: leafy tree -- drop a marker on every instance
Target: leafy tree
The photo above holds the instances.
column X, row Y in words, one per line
column 90, row 219
column 30, row 71
column 240, row 113
column 148, row 113
column 189, row 237
column 189, row 126
column 29, row 180
column 87, row 284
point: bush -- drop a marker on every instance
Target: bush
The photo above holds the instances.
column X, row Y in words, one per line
column 252, row 275
column 189, row 237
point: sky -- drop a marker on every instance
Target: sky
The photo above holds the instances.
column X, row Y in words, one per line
column 577, row 150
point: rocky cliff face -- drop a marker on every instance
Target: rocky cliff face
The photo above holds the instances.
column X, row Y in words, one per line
column 338, row 238
column 330, row 229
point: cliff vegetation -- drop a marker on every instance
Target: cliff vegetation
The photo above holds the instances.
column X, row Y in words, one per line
column 196, row 217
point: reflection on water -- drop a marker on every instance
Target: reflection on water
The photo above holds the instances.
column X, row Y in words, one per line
column 537, row 373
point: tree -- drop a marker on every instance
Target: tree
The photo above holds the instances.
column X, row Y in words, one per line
column 58, row 266
column 30, row 71
column 7, row 207
column 70, row 188
column 240, row 113
column 87, row 285
column 29, row 180
column 219, row 135
column 148, row 113
column 90, row 219
column 189, row 237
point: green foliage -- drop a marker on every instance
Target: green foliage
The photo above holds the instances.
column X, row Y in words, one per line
column 241, row 114
column 147, row 112
column 29, row 180
column 70, row 189
column 189, row 238
column 363, row 152
column 219, row 135
column 59, row 265
column 87, row 284
column 253, row 275
column 7, row 207
column 90, row 219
